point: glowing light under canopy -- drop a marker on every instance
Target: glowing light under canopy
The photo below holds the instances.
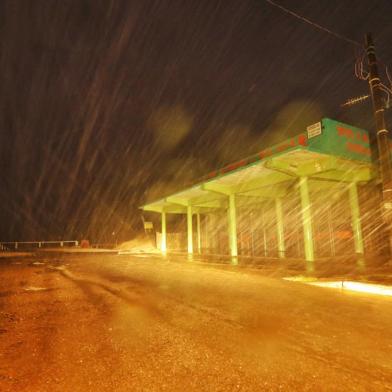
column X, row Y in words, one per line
column 369, row 288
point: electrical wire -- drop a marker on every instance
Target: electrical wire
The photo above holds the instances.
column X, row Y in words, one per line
column 316, row 25
column 361, row 75
column 388, row 93
column 388, row 76
column 385, row 88
column 359, row 69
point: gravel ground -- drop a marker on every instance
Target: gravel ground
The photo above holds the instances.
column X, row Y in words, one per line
column 127, row 323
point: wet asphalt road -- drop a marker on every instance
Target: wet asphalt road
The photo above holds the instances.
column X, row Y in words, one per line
column 128, row 323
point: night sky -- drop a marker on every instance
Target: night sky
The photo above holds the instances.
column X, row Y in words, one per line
column 105, row 104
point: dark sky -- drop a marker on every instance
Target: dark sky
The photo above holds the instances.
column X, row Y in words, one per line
column 107, row 103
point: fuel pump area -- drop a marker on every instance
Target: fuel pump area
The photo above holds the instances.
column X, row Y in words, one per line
column 312, row 197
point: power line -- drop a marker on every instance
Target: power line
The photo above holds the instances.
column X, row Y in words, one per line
column 316, row 25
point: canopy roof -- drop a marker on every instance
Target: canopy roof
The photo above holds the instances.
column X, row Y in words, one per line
column 327, row 151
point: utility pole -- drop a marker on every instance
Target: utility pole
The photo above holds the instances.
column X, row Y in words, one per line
column 384, row 154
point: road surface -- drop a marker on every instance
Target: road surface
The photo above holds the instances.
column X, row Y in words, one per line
column 129, row 323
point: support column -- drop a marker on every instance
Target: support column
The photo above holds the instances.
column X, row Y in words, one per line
column 279, row 227
column 307, row 222
column 356, row 218
column 163, row 235
column 198, row 234
column 265, row 245
column 190, row 229
column 232, row 226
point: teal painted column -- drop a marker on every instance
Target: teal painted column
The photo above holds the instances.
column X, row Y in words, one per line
column 163, row 234
column 307, row 222
column 232, row 226
column 279, row 227
column 198, row 233
column 356, row 218
column 190, row 229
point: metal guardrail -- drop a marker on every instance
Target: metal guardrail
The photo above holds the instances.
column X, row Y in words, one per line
column 38, row 244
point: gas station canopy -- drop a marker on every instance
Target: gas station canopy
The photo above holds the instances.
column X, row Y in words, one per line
column 328, row 152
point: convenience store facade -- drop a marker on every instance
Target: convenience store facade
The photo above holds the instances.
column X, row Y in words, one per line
column 310, row 197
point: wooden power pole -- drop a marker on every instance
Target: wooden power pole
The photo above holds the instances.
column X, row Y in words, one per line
column 384, row 153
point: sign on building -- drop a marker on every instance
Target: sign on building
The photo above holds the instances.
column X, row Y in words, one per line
column 314, row 130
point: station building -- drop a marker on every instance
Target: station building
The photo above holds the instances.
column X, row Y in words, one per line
column 310, row 197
